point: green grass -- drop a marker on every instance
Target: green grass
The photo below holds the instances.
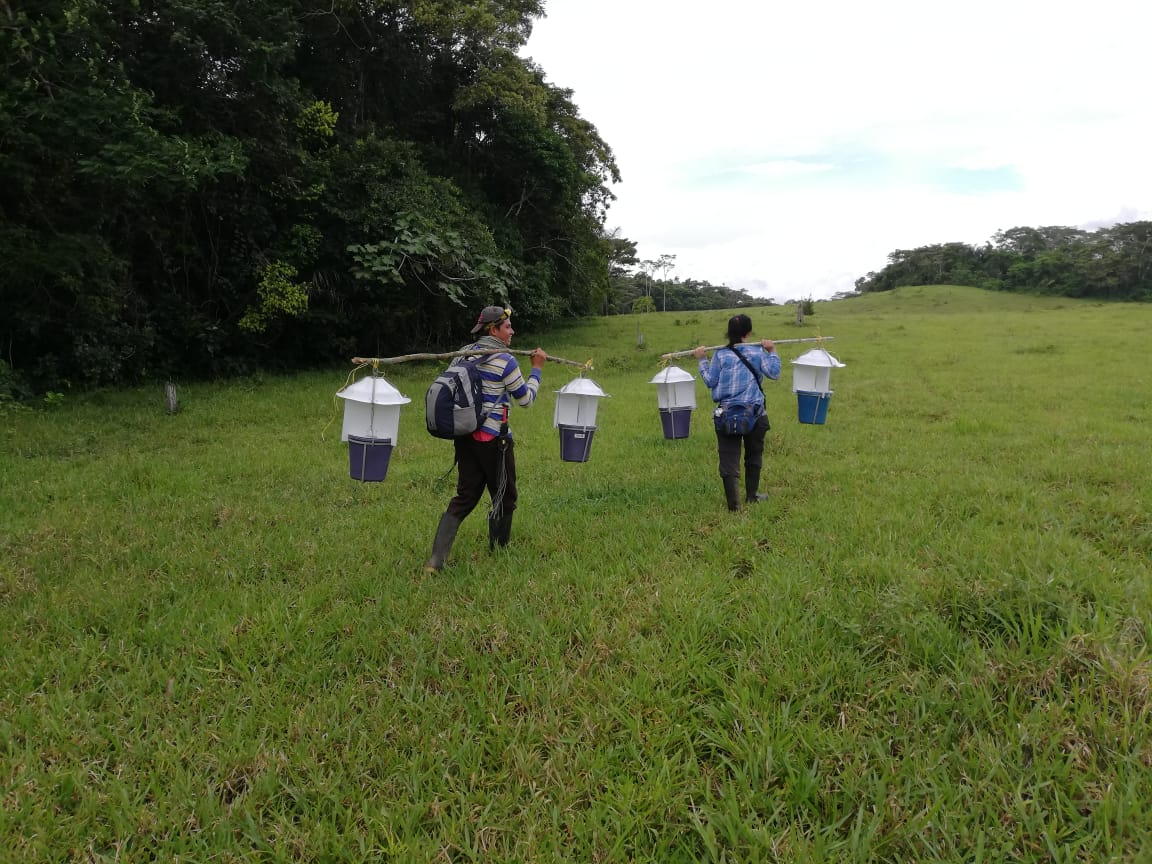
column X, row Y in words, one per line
column 931, row 644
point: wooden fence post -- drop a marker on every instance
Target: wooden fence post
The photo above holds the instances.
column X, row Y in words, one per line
column 171, row 400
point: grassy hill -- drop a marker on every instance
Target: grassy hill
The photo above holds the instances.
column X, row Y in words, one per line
column 931, row 644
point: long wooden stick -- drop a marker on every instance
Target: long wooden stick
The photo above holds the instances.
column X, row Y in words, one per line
column 774, row 341
column 404, row 358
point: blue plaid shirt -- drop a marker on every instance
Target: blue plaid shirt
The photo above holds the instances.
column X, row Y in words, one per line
column 730, row 380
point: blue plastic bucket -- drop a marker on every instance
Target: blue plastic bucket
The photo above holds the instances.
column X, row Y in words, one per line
column 368, row 458
column 675, row 421
column 812, row 406
column 575, row 443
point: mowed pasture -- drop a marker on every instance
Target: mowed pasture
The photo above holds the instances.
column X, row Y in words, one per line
column 931, row 644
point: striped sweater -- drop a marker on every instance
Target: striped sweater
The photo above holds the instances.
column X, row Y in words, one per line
column 502, row 379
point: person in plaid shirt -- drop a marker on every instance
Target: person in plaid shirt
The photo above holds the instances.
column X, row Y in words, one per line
column 736, row 381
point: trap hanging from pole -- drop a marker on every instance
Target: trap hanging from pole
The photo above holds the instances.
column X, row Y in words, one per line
column 676, row 398
column 371, row 426
column 575, row 417
column 812, row 384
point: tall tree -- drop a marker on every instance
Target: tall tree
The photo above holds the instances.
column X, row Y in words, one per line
column 665, row 263
column 203, row 186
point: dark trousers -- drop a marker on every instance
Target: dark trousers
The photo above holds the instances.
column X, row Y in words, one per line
column 479, row 467
column 729, row 446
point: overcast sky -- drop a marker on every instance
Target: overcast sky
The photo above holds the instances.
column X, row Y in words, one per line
column 787, row 148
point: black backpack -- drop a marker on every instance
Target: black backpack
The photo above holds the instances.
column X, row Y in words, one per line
column 454, row 403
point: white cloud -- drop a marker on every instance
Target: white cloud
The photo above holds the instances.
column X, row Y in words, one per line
column 789, row 149
column 785, row 168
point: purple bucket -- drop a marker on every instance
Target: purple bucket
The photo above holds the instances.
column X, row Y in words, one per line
column 675, row 421
column 368, row 458
column 575, row 443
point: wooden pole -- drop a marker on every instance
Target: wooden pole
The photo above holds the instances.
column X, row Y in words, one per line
column 404, row 358
column 171, row 400
column 774, row 341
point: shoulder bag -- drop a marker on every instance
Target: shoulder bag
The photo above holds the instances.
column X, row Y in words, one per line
column 736, row 418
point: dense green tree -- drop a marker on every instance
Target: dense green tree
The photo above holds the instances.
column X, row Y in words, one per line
column 954, row 263
column 1125, row 251
column 200, row 187
column 621, row 257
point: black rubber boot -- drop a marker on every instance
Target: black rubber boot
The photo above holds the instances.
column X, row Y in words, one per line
column 500, row 531
column 442, row 544
column 732, row 492
column 751, row 487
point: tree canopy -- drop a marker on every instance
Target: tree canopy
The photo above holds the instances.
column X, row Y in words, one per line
column 195, row 187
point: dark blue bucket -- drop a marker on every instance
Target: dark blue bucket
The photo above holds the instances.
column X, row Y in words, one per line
column 368, row 458
column 576, row 443
column 675, row 421
column 812, row 406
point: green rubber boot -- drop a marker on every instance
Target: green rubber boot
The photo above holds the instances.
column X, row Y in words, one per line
column 442, row 544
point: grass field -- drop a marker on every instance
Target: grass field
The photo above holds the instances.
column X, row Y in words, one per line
column 931, row 644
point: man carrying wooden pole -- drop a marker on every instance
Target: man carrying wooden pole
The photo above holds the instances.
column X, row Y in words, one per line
column 486, row 458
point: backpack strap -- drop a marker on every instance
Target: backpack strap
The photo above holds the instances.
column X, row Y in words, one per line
column 483, row 358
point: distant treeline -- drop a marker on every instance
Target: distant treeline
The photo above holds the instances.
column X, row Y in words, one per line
column 677, row 296
column 1110, row 263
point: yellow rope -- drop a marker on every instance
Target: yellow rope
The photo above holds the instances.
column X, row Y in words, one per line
column 348, row 382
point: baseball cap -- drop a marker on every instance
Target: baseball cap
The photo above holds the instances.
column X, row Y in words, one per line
column 491, row 315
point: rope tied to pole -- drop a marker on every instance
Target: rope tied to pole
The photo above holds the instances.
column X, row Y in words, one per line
column 364, row 363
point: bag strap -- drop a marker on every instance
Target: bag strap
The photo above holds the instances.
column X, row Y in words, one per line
column 485, row 413
column 755, row 377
